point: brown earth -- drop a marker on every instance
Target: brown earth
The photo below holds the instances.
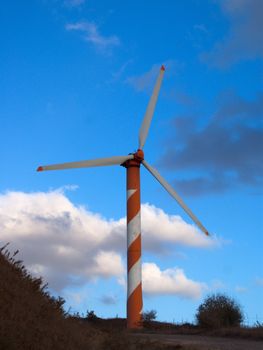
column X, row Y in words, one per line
column 200, row 342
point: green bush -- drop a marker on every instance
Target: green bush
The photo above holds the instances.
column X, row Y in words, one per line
column 219, row 311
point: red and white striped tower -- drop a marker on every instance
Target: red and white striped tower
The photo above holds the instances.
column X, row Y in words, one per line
column 134, row 280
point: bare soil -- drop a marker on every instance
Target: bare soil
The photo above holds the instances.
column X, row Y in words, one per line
column 200, row 342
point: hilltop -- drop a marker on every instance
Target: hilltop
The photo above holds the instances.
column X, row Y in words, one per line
column 31, row 319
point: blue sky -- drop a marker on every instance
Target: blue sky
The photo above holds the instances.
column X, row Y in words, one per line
column 75, row 80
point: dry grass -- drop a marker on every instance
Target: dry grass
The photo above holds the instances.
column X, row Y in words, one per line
column 30, row 318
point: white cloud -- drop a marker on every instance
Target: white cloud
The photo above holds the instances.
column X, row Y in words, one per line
column 68, row 244
column 108, row 263
column 76, row 298
column 244, row 40
column 259, row 281
column 200, row 27
column 240, row 289
column 109, row 299
column 145, row 81
column 74, row 3
column 157, row 226
column 217, row 284
column 93, row 36
column 119, row 73
column 60, row 241
column 170, row 281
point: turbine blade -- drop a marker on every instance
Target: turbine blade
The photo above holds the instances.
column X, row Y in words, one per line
column 172, row 192
column 150, row 109
column 87, row 163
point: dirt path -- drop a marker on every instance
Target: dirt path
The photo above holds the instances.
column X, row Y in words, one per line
column 205, row 342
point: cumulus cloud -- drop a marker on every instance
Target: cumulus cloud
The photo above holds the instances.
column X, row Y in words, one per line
column 244, row 40
column 58, row 240
column 158, row 227
column 67, row 244
column 170, row 281
column 108, row 264
column 93, row 36
column 225, row 153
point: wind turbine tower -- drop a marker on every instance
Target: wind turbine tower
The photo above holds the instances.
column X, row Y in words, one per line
column 132, row 163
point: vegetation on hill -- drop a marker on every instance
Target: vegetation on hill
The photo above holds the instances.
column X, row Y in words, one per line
column 31, row 319
column 219, row 311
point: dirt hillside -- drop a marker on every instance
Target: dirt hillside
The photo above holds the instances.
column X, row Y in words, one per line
column 31, row 319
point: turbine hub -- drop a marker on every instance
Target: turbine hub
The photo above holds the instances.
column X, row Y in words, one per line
column 139, row 155
column 136, row 161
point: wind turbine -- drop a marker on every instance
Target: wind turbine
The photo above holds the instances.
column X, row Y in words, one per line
column 132, row 163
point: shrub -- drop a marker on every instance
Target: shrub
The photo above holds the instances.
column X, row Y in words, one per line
column 148, row 316
column 258, row 324
column 91, row 316
column 218, row 311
